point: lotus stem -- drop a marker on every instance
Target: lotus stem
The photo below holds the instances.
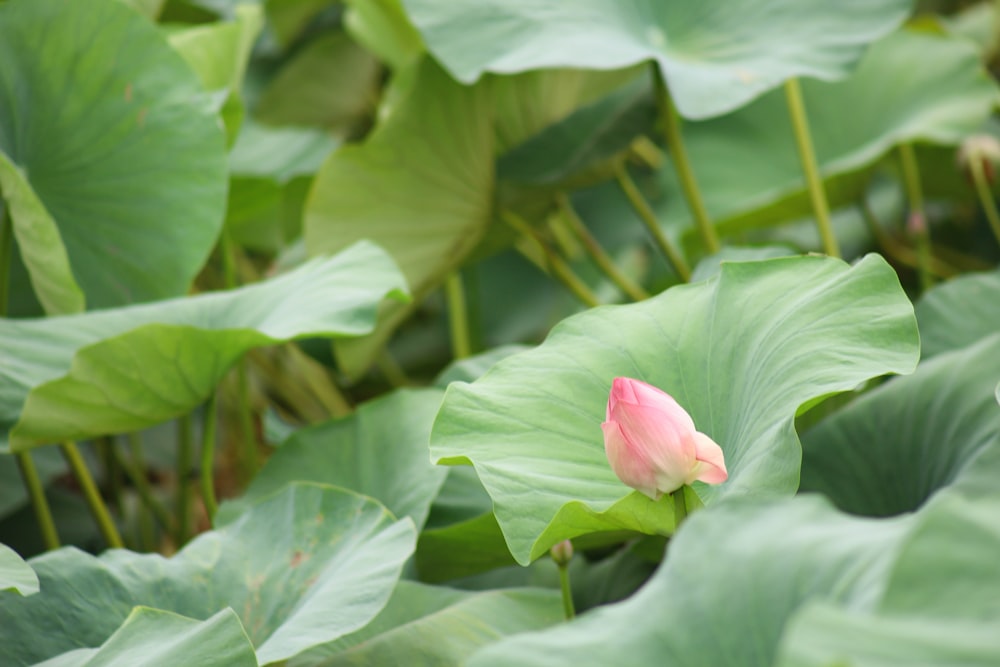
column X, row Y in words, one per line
column 36, row 492
column 985, row 194
column 899, row 252
column 136, row 472
column 810, row 166
column 597, row 253
column 184, row 455
column 316, row 378
column 555, row 265
column 93, row 497
column 682, row 163
column 391, row 370
column 249, row 459
column 562, row 555
column 458, row 316
column 645, row 212
column 208, row 456
column 6, row 247
column 917, row 223
column 680, row 508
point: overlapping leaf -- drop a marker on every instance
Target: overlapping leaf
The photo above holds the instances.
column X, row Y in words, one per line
column 119, row 370
column 301, row 568
column 740, row 352
column 110, row 154
column 15, row 574
column 959, row 312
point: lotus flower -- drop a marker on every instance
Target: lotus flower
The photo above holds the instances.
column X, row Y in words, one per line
column 652, row 444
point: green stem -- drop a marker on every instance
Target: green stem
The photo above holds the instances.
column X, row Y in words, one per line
column 897, row 251
column 567, row 593
column 391, row 370
column 36, row 491
column 985, row 194
column 682, row 162
column 249, row 459
column 92, row 495
column 208, row 456
column 113, row 472
column 136, row 472
column 597, row 253
column 917, row 224
column 315, row 376
column 184, row 455
column 6, row 248
column 680, row 508
column 648, row 218
column 556, row 266
column 458, row 316
column 803, row 139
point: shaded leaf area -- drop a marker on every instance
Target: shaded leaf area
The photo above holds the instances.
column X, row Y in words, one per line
column 715, row 55
column 910, row 87
column 420, row 185
column 740, row 352
column 892, row 449
column 959, row 312
column 15, row 574
column 420, row 626
column 379, row 451
column 87, row 171
column 303, row 567
column 120, row 370
column 153, row 638
column 906, row 572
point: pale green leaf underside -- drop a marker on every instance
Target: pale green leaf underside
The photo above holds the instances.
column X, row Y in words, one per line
column 959, row 312
column 740, row 352
column 15, row 574
column 119, row 370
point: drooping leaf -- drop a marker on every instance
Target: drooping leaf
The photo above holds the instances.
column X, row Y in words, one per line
column 715, row 55
column 429, row 626
column 301, row 568
column 894, row 447
column 15, row 574
column 121, row 370
column 959, row 312
column 380, row 451
column 740, row 352
column 421, row 186
column 154, row 638
column 87, row 170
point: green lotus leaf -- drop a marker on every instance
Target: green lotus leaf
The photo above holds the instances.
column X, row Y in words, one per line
column 301, row 568
column 380, row 450
column 740, row 352
column 153, row 638
column 92, row 99
column 959, row 312
column 715, row 55
column 384, row 29
column 15, row 574
column 125, row 369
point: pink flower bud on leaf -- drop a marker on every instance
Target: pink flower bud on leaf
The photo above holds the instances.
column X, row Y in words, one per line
column 652, row 444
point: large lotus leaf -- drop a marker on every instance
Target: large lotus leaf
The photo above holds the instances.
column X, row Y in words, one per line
column 700, row 608
column 15, row 574
column 120, row 370
column 380, row 451
column 430, row 626
column 421, row 186
column 383, row 28
column 741, row 352
column 822, row 635
column 891, row 449
column 715, row 55
column 154, row 638
column 110, row 150
column 959, row 312
column 301, row 568
column 910, row 87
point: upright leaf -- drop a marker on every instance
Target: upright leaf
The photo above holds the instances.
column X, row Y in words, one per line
column 15, row 574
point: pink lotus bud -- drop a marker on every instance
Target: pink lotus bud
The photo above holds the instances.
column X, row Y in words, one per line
column 652, row 444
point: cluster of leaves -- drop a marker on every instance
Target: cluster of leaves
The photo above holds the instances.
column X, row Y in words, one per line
column 263, row 221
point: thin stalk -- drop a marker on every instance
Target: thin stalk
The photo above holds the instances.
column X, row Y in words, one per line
column 36, row 491
column 985, row 194
column 899, row 252
column 29, row 474
column 113, row 472
column 680, row 507
column 184, row 455
column 391, row 370
column 300, row 402
column 917, row 224
column 136, row 472
column 249, row 459
column 458, row 316
column 208, row 456
column 90, row 492
column 645, row 212
column 685, row 173
column 555, row 265
column 810, row 166
column 597, row 253
column 318, row 380
column 567, row 594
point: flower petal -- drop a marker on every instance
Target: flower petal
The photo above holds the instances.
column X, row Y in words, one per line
column 631, row 465
column 711, row 466
column 648, row 395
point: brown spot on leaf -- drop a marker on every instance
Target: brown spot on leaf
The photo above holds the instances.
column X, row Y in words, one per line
column 297, row 558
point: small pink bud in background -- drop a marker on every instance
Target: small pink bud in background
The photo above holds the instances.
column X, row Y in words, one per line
column 562, row 552
column 652, row 444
